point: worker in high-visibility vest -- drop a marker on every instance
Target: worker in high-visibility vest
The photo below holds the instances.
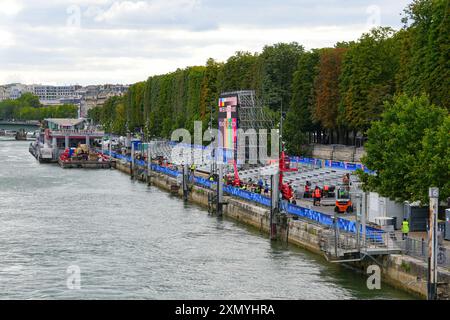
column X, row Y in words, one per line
column 317, row 195
column 405, row 229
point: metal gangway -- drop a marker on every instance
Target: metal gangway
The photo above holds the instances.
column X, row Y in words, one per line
column 349, row 247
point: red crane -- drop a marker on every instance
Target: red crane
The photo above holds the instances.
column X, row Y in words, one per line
column 285, row 166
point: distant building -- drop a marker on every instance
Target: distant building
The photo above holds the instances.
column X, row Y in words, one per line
column 85, row 98
column 95, row 96
column 47, row 93
column 4, row 94
column 14, row 91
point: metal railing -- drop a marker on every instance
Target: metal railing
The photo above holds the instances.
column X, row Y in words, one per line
column 382, row 243
column 419, row 249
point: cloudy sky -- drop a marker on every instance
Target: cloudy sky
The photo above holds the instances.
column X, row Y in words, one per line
column 107, row 41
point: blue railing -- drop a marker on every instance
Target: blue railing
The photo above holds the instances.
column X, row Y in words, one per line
column 319, row 217
column 203, row 182
column 331, row 164
column 247, row 195
column 167, row 171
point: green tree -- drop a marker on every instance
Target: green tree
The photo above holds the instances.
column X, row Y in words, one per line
column 28, row 107
column 209, row 95
column 277, row 66
column 399, row 143
column 326, row 89
column 433, row 166
column 368, row 77
column 29, row 99
column 299, row 123
column 239, row 72
column 425, row 54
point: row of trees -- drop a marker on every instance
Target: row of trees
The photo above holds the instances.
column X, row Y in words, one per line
column 331, row 95
column 175, row 100
column 28, row 107
column 365, row 88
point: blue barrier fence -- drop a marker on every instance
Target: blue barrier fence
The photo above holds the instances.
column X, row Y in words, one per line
column 318, row 217
column 247, row 195
column 167, row 171
column 330, row 164
column 204, row 182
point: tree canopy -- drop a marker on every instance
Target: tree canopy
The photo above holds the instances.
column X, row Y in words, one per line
column 408, row 149
column 28, row 107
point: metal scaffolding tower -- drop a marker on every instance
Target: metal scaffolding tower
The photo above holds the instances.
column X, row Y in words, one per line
column 251, row 116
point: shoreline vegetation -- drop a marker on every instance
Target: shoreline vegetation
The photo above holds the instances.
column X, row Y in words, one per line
column 27, row 107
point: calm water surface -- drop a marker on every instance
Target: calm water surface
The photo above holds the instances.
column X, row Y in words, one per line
column 131, row 241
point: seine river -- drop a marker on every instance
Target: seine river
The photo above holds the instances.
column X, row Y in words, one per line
column 130, row 241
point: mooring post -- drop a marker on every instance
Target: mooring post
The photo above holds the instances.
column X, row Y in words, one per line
column 110, row 149
column 219, row 189
column 432, row 243
column 185, row 182
column 149, row 163
column 132, row 160
column 358, row 213
column 275, row 205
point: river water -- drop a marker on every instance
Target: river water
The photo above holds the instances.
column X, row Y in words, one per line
column 130, row 241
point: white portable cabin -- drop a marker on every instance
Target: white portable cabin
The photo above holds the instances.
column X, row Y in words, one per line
column 379, row 206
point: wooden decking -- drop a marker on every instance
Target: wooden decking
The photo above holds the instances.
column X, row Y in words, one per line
column 85, row 164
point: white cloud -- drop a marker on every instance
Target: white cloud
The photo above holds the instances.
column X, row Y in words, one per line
column 6, row 39
column 147, row 11
column 96, row 56
column 10, row 7
column 127, row 41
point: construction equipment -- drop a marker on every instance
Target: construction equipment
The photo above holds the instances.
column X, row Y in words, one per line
column 343, row 201
column 285, row 166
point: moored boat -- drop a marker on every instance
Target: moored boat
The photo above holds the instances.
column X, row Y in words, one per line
column 21, row 135
column 57, row 135
column 83, row 157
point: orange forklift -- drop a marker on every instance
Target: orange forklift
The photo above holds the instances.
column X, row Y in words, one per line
column 343, row 202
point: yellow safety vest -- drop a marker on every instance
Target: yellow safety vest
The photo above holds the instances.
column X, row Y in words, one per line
column 405, row 227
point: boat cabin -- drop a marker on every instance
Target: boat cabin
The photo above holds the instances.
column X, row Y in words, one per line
column 64, row 124
column 59, row 134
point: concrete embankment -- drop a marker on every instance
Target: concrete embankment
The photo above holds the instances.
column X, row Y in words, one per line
column 401, row 271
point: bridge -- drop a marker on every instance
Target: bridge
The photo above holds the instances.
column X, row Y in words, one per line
column 19, row 125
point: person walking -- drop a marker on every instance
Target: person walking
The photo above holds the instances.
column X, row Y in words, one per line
column 405, row 229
